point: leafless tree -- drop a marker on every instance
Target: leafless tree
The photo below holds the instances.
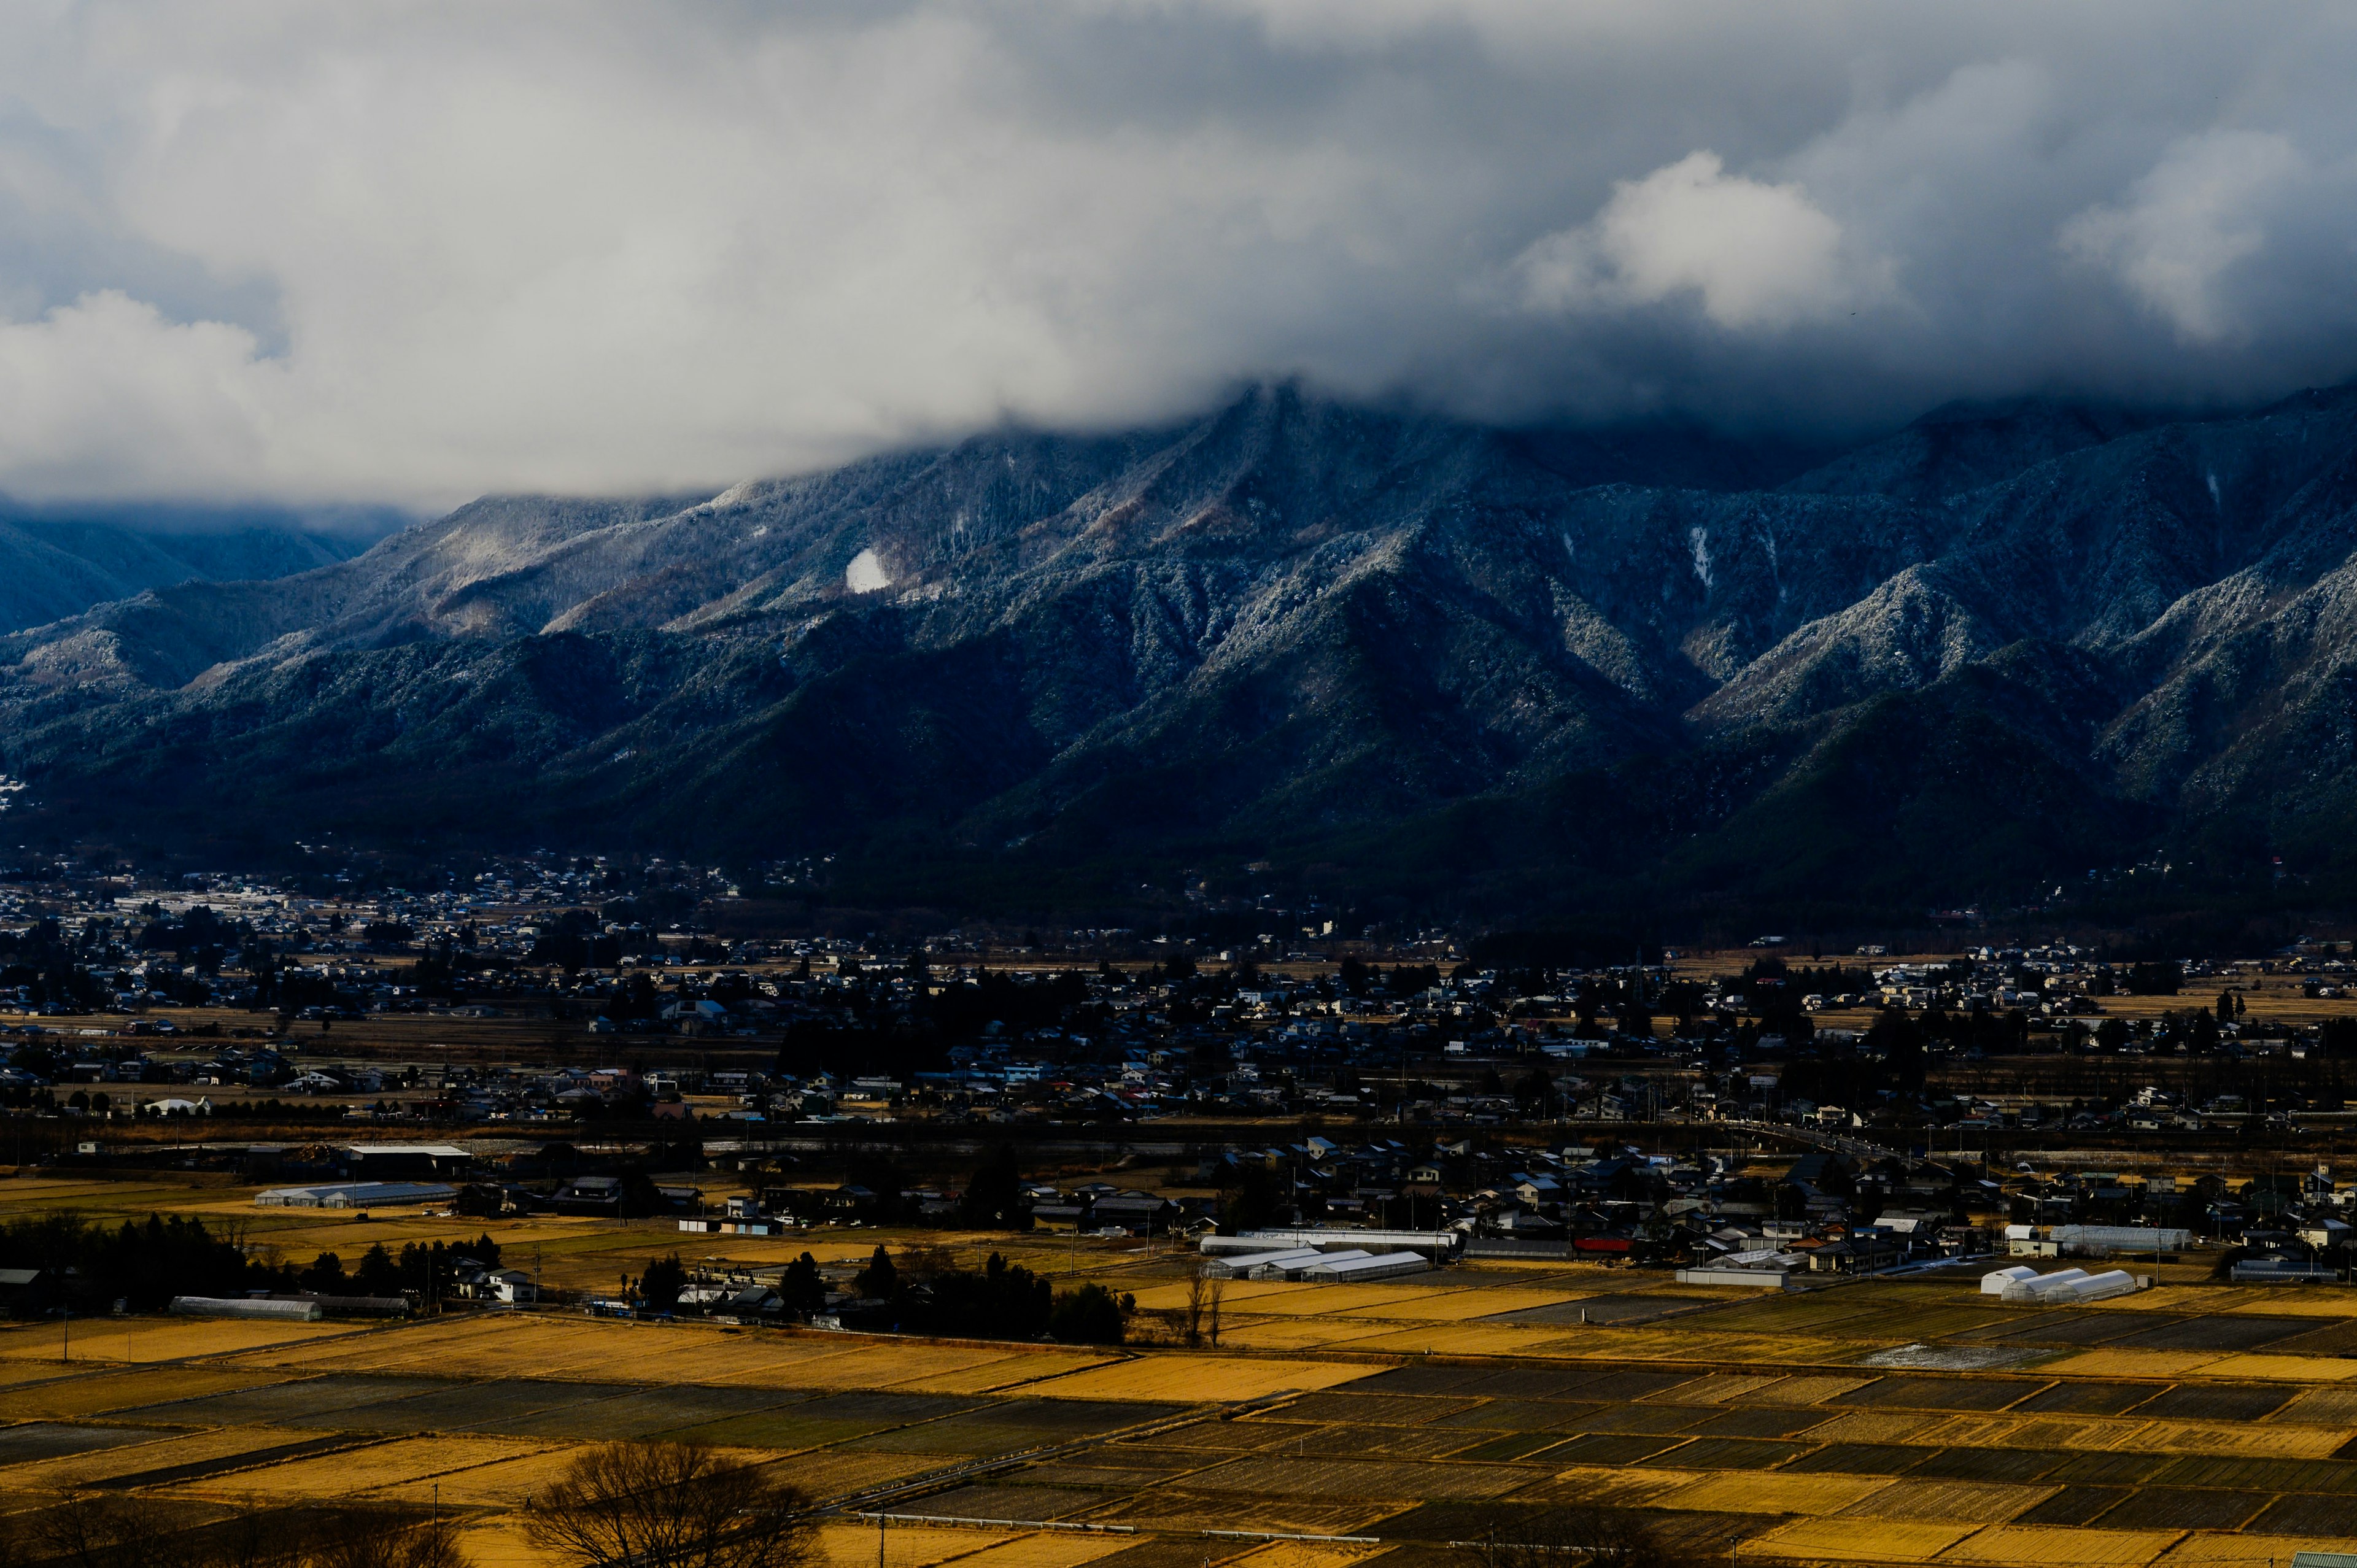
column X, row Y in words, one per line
column 670, row 1504
column 1215, row 1291
column 107, row 1529
column 368, row 1538
column 254, row 1537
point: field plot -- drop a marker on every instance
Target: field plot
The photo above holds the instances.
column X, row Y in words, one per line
column 1300, row 1477
column 1774, row 1494
column 364, row 1469
column 2107, row 1363
column 1059, row 1549
column 1466, row 1339
column 2249, row 1551
column 1005, row 1373
column 830, row 1419
column 1313, row 1300
column 853, row 1545
column 1176, row 1510
column 1289, row 1333
column 166, row 1449
column 158, row 1339
column 1856, row 1541
column 37, row 1440
column 1306, row 1554
column 2038, row 1546
column 313, row 1401
column 1469, row 1306
column 1237, row 1295
column 2191, row 1437
column 639, row 1414
column 503, row 1483
column 1212, row 1377
column 2292, row 1369
column 1977, row 1502
column 95, row 1395
column 508, row 1406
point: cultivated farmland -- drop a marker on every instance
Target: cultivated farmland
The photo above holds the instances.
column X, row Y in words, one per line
column 1333, row 1427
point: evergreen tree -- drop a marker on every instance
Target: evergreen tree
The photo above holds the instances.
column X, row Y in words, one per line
column 378, row 1274
column 1089, row 1316
column 325, row 1276
column 880, row 1280
column 660, row 1286
column 802, row 1289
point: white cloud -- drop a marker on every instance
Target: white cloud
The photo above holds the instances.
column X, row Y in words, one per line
column 1756, row 255
column 2201, row 211
column 411, row 251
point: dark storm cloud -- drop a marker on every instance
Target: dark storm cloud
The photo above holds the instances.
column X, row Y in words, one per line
column 403, row 253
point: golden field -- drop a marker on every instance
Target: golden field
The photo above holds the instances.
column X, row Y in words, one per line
column 2196, row 1424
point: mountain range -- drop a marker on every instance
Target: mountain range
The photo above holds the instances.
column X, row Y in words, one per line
column 55, row 565
column 2011, row 652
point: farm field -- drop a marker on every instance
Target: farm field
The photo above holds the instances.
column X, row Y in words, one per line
column 1876, row 1422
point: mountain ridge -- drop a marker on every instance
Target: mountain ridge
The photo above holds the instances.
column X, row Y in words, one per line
column 1287, row 625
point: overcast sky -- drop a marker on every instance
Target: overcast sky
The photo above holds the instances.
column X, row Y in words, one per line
column 406, row 253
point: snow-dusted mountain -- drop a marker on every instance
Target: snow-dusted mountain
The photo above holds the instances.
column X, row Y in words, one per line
column 53, row 567
column 2004, row 643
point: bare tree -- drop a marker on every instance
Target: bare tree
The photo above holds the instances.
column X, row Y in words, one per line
column 1198, row 1293
column 1215, row 1291
column 670, row 1504
column 107, row 1529
column 255, row 1537
column 375, row 1537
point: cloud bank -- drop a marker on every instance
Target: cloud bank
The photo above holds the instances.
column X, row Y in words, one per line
column 376, row 252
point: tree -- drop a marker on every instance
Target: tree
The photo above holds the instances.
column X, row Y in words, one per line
column 994, row 1198
column 1204, row 1291
column 381, row 1538
column 1089, row 1316
column 105, row 1530
column 378, row 1274
column 802, row 1290
column 879, row 1280
column 1002, row 1302
column 660, row 1286
column 325, row 1276
column 670, row 1505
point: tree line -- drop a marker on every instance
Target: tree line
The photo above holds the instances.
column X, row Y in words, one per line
column 143, row 1265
